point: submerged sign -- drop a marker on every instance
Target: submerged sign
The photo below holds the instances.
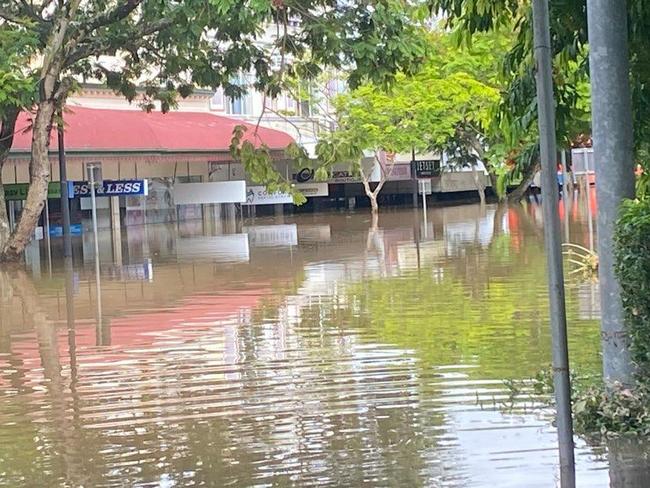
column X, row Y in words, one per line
column 108, row 188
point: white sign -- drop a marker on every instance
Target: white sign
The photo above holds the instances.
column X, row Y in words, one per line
column 425, row 187
column 272, row 235
column 313, row 189
column 259, row 195
column 213, row 192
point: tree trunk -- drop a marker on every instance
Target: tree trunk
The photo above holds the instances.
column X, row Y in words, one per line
column 480, row 187
column 39, row 174
column 518, row 193
column 7, row 130
column 374, row 206
column 52, row 92
column 372, row 195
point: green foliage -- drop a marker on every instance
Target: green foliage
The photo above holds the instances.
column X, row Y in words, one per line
column 619, row 412
column 597, row 412
column 17, row 83
column 515, row 117
column 170, row 46
column 444, row 105
column 258, row 164
column 632, row 253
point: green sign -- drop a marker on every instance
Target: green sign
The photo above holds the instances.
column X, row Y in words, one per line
column 18, row 191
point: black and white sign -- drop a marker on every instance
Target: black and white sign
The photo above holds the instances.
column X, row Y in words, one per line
column 426, row 168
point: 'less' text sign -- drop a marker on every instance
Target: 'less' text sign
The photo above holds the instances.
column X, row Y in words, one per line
column 117, row 188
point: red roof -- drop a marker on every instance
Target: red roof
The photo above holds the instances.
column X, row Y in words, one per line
column 95, row 130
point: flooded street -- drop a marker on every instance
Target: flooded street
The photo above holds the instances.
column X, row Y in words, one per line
column 300, row 350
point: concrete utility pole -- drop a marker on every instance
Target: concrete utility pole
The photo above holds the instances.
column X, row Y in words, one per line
column 614, row 160
column 553, row 240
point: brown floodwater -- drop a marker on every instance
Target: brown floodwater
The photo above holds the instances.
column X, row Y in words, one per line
column 297, row 350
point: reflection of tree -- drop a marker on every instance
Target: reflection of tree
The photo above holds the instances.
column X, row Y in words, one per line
column 337, row 414
column 491, row 305
column 65, row 451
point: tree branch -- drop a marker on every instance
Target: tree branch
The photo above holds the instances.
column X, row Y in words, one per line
column 31, row 12
column 117, row 14
column 14, row 18
column 99, row 46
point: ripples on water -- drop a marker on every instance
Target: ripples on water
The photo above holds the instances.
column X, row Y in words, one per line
column 316, row 351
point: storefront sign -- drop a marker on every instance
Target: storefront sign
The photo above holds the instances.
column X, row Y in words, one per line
column 304, row 175
column 259, row 195
column 427, row 168
column 344, row 176
column 109, row 188
column 313, row 189
column 212, row 192
column 18, row 191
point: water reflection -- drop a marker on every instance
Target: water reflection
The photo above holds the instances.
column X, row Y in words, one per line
column 323, row 350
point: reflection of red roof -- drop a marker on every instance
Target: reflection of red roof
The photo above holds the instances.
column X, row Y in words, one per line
column 188, row 319
column 95, row 130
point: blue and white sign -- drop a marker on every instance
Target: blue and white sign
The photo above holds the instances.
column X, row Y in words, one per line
column 117, row 188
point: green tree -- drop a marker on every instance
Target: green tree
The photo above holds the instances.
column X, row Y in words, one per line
column 445, row 104
column 168, row 47
column 516, row 118
column 17, row 91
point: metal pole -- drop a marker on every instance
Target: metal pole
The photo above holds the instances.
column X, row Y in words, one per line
column 614, row 161
column 414, row 177
column 424, row 208
column 65, row 197
column 553, row 241
column 95, row 234
column 72, row 339
column 47, row 236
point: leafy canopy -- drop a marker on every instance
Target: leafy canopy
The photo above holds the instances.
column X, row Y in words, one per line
column 169, row 47
column 420, row 112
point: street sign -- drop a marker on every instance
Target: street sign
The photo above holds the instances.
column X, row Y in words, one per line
column 109, row 188
column 18, row 191
column 426, row 168
column 424, row 186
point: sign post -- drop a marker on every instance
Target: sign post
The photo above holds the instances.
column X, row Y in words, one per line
column 425, row 189
column 47, row 236
column 94, row 169
column 424, row 199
